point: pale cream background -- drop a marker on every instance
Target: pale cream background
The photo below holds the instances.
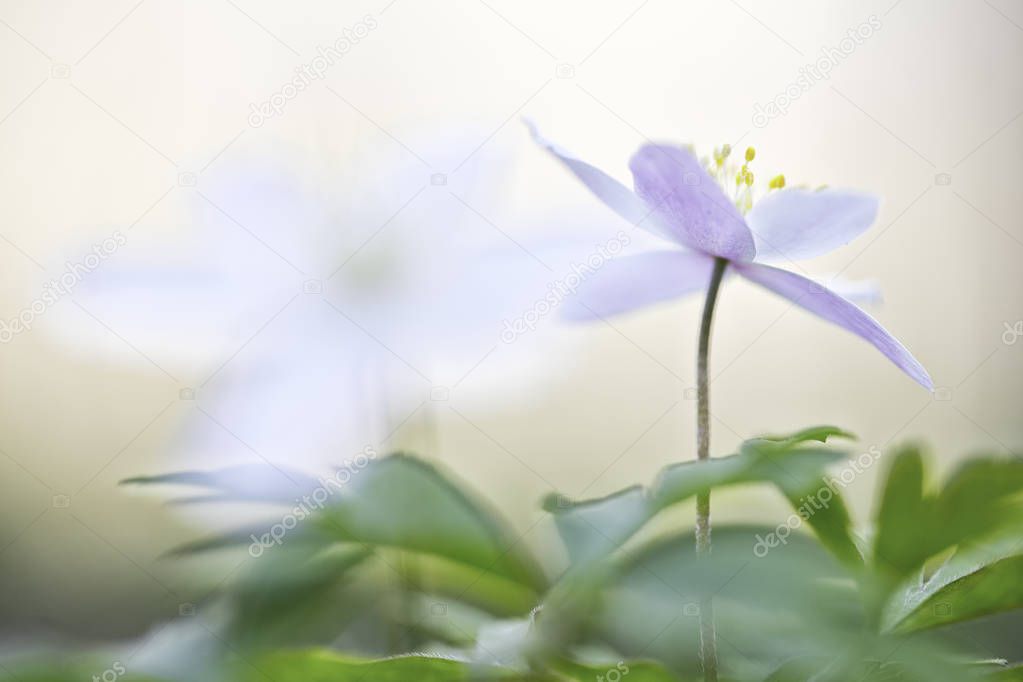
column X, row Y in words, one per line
column 162, row 87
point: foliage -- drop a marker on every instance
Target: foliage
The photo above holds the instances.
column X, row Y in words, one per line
column 404, row 559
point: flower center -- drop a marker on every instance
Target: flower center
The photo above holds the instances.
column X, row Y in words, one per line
column 737, row 180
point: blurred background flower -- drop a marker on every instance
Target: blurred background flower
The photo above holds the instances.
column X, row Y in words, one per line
column 315, row 325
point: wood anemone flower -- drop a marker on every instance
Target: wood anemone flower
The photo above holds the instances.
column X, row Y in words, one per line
column 692, row 206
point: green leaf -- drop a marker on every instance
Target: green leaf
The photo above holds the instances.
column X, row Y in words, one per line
column 632, row 671
column 593, row 529
column 817, row 500
column 903, row 540
column 983, row 496
column 981, row 500
column 784, row 578
column 792, row 467
column 318, row 665
column 920, row 603
column 986, row 590
column 283, row 596
column 922, row 664
column 765, row 606
column 1014, row 674
column 821, row 434
column 59, row 667
column 321, row 665
column 398, row 501
column 809, row 667
column 403, row 502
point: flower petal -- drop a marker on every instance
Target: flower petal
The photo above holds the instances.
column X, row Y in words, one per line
column 627, row 283
column 858, row 291
column 832, row 307
column 691, row 203
column 797, row 223
column 614, row 194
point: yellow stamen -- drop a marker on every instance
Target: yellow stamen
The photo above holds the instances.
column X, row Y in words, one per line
column 751, row 153
column 720, row 155
column 777, row 182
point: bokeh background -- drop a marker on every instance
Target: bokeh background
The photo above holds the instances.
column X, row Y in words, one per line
column 115, row 115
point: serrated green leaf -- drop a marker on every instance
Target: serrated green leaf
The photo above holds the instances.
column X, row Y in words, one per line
column 1014, row 674
column 633, row 671
column 397, row 501
column 60, row 668
column 593, row 529
column 319, row 665
column 990, row 589
column 403, row 502
column 980, row 503
column 757, row 462
column 903, row 539
column 822, row 507
column 922, row 665
column 808, row 667
column 653, row 605
column 280, row 597
column 918, row 598
column 820, row 434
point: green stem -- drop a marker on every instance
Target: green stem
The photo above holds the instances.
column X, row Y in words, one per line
column 708, row 641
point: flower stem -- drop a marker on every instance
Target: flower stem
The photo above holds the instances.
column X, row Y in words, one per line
column 708, row 642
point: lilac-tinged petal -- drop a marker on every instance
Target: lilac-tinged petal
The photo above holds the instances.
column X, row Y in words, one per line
column 859, row 291
column 690, row 203
column 628, row 283
column 614, row 194
column 796, row 223
column 832, row 307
